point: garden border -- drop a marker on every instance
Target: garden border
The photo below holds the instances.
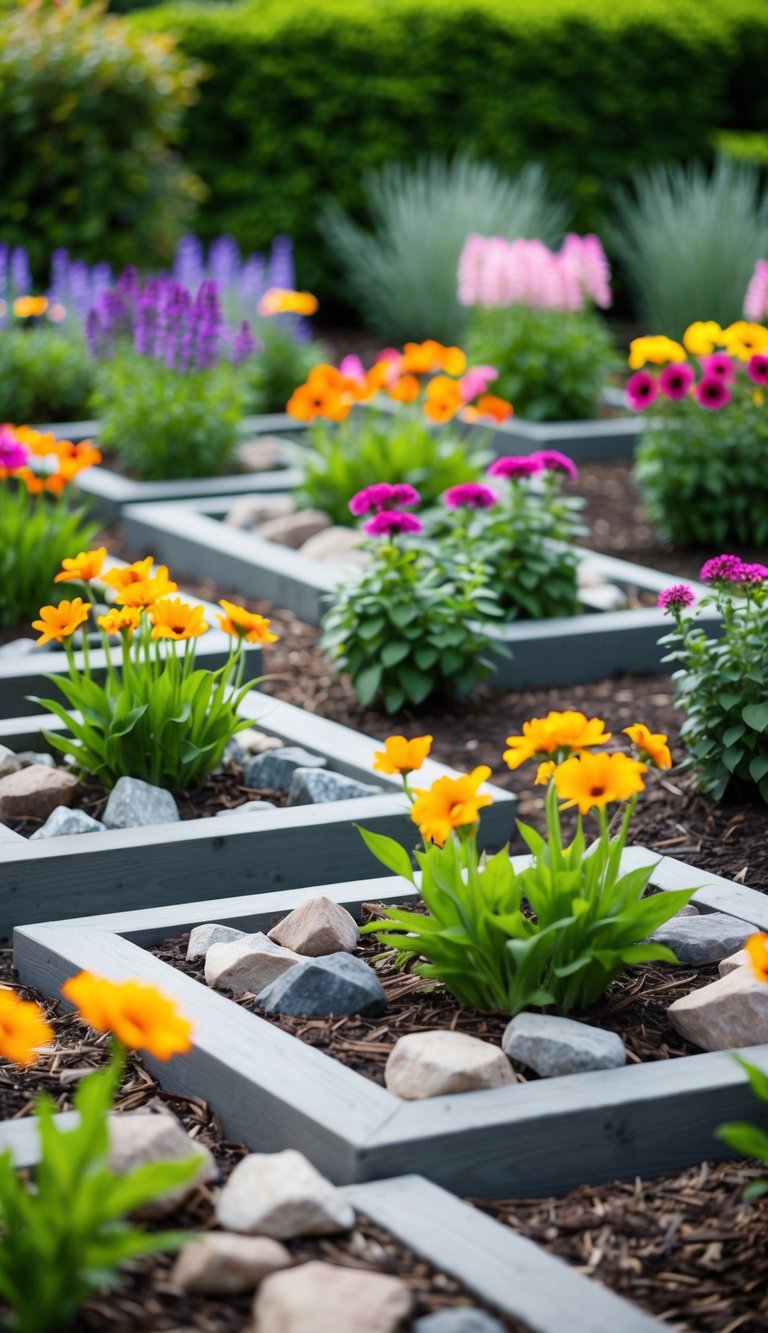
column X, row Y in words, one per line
column 49, row 879
column 189, row 536
column 273, row 1091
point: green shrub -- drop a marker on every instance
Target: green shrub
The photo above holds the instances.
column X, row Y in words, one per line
column 287, row 118
column 88, row 109
column 403, row 274
column 46, row 375
column 278, row 368
column 552, row 364
column 38, row 531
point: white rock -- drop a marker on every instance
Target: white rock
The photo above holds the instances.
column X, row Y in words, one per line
column 223, row 1264
column 255, row 509
column 294, row 529
column 732, row 1011
column 247, row 966
column 202, row 937
column 247, row 808
column 430, row 1064
column 553, row 1045
column 602, row 596
column 262, row 454
column 734, row 961
column 135, row 1139
column 22, row 648
column 319, row 926
column 282, row 1195
column 35, row 792
column 9, row 762
column 334, row 543
column 65, row 823
column 253, row 742
column 324, row 1298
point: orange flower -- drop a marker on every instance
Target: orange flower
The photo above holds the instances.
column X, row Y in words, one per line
column 593, row 781
column 405, row 390
column 489, row 405
column 122, row 576
column 174, row 619
column 443, row 399
column 23, row 1029
column 27, row 307
column 284, row 301
column 138, row 1015
column 450, row 803
column 326, row 393
column 568, row 731
column 757, row 948
column 402, row 756
column 652, row 745
column 86, row 565
column 422, row 358
column 59, row 622
column 119, row 619
column 145, row 592
column 245, row 624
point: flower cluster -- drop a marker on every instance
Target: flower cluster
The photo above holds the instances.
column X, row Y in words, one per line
column 449, row 387
column 756, row 299
column 745, row 349
column 263, row 283
column 728, row 572
column 497, row 272
column 41, row 462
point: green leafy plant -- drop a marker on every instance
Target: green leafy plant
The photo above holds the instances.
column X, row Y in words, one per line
column 552, row 364
column 751, row 1140
column 402, row 274
column 46, row 375
column 281, row 363
column 689, row 239
column 553, row 934
column 721, row 682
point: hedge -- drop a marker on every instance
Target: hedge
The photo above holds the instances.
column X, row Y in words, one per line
column 302, row 98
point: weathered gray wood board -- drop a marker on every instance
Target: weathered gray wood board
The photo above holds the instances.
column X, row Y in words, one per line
column 273, row 1091
column 96, row 872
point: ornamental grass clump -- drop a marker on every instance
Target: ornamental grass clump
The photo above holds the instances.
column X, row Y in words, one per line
column 721, row 682
column 154, row 715
column 555, row 934
column 702, row 460
column 534, row 318
column 38, row 523
column 407, row 431
column 65, row 1234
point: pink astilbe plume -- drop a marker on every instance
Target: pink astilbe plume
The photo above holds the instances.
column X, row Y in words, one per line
column 585, row 257
column 756, row 299
column 496, row 272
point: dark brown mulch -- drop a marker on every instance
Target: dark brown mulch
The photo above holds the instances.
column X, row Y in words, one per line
column 684, row 1246
column 635, row 1006
column 147, row 1302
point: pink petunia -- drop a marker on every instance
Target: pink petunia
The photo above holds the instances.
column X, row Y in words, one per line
column 712, row 392
column 675, row 381
column 720, row 364
column 642, row 390
column 757, row 368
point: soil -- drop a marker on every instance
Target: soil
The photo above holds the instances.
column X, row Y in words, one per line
column 147, row 1302
column 635, row 1006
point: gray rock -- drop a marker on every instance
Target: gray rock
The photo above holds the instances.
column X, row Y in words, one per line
column 274, row 770
column 313, row 786
column 233, row 753
column 9, row 762
column 248, row 808
column 705, row 938
column 136, row 804
column 22, row 648
column 63, row 823
column 688, row 910
column 339, row 983
column 27, row 758
column 553, row 1045
column 464, row 1319
column 201, row 938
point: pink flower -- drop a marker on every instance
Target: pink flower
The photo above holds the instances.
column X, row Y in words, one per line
column 642, row 389
column 757, row 369
column 719, row 363
column 12, row 454
column 353, row 368
column 755, row 573
column 476, row 381
column 586, row 258
column 676, row 597
column 389, row 521
column 496, row 272
column 712, row 392
column 676, row 380
column 553, row 461
column 515, row 466
column 724, row 568
column 381, row 495
column 470, row 495
column 756, row 299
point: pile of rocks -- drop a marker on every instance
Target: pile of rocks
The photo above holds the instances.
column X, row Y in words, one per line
column 276, row 518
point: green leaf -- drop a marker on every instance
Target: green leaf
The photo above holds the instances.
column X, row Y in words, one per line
column 756, row 716
column 390, row 853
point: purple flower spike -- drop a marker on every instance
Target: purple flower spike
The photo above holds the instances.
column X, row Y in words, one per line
column 516, row 466
column 470, row 495
column 554, row 461
column 389, row 521
column 676, row 598
column 243, row 344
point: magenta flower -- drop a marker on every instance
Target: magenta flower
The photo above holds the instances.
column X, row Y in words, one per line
column 675, row 380
column 676, row 597
column 724, row 568
column 755, row 573
column 470, row 495
column 12, row 454
column 712, row 392
column 389, row 521
column 516, row 466
column 554, row 461
column 719, row 363
column 382, row 495
column 757, row 369
column 642, row 389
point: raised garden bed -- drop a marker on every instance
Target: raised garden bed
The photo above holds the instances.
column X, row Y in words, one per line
column 559, row 651
column 274, row 1090
column 251, row 853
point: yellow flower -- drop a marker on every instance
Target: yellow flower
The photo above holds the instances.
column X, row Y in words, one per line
column 174, row 619
column 23, row 1029
column 743, row 339
column 544, row 773
column 593, row 781
column 138, row 1015
column 656, row 348
column 58, row 622
column 757, row 948
column 86, row 565
column 443, row 399
column 702, row 337
column 119, row 619
column 652, row 745
column 145, row 592
column 450, row 803
column 283, row 301
column 452, row 360
column 244, row 624
column 402, row 756
column 569, row 731
column 122, row 576
column 27, row 307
